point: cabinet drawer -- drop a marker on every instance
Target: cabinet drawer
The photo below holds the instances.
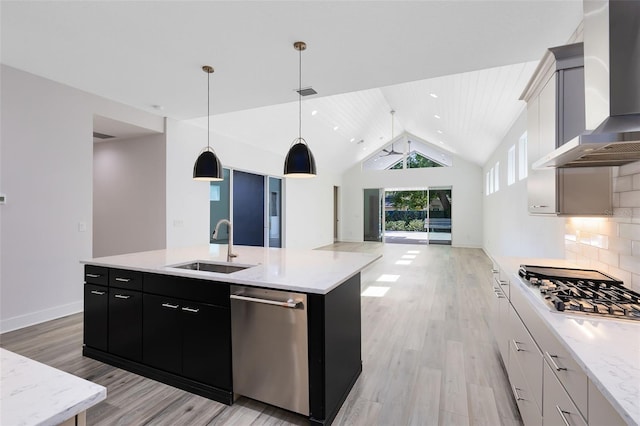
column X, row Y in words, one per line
column 526, row 354
column 501, row 281
column 529, row 409
column 206, row 291
column 96, row 275
column 558, row 408
column 122, row 278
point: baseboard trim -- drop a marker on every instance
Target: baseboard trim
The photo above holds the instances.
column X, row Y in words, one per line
column 33, row 318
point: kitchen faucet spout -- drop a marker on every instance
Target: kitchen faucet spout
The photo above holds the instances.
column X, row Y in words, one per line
column 230, row 254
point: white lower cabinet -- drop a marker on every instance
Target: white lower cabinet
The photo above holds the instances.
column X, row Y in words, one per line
column 601, row 412
column 523, row 392
column 525, row 352
column 557, row 407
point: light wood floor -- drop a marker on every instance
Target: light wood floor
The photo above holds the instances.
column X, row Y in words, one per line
column 428, row 354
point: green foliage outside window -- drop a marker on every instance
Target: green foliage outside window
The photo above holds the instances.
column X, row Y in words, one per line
column 416, row 161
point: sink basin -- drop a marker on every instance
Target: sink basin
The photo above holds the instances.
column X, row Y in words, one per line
column 221, row 268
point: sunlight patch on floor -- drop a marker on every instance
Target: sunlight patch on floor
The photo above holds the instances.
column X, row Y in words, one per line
column 374, row 291
column 388, row 278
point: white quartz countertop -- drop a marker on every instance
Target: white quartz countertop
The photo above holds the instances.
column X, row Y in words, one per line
column 308, row 271
column 607, row 349
column 33, row 393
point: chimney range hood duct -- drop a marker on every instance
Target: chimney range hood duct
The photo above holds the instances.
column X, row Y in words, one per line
column 612, row 89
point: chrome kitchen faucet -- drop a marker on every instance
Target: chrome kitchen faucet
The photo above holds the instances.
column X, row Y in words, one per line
column 230, row 254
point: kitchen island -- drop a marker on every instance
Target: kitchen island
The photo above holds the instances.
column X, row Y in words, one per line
column 146, row 313
column 596, row 360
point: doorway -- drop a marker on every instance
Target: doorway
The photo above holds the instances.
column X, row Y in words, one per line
column 373, row 217
column 253, row 203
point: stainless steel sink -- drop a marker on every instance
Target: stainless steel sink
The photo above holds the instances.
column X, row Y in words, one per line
column 221, row 268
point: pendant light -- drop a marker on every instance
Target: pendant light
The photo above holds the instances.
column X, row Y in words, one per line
column 299, row 162
column 208, row 166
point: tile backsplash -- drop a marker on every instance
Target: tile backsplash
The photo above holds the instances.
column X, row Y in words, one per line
column 611, row 245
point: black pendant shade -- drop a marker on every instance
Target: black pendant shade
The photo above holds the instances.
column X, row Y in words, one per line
column 299, row 161
column 207, row 167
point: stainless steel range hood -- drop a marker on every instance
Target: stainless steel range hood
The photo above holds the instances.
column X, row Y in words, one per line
column 612, row 89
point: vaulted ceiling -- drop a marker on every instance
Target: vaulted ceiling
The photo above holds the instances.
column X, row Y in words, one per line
column 364, row 58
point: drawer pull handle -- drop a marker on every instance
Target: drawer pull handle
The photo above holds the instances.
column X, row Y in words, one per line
column 193, row 310
column 516, row 394
column 538, row 206
column 169, row 305
column 499, row 295
column 502, row 282
column 93, row 275
column 562, row 415
column 123, row 280
column 515, row 345
column 494, row 271
column 553, row 362
column 121, row 296
column 96, row 292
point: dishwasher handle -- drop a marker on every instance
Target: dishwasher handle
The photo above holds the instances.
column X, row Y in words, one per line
column 291, row 304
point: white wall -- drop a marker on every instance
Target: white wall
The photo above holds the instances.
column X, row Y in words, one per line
column 465, row 179
column 509, row 230
column 129, row 195
column 46, row 172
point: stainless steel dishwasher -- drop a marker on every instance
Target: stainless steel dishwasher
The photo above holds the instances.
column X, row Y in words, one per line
column 270, row 347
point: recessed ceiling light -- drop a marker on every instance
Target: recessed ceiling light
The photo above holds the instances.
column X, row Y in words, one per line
column 441, row 143
column 352, row 140
column 314, row 112
column 436, row 115
column 335, row 128
column 433, row 95
column 440, row 131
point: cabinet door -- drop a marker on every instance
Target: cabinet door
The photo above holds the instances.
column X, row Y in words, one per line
column 162, row 335
column 125, row 323
column 557, row 407
column 206, row 344
column 96, row 316
column 499, row 326
column 541, row 184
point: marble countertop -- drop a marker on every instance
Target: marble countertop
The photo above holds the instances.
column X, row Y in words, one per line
column 308, row 271
column 33, row 393
column 607, row 349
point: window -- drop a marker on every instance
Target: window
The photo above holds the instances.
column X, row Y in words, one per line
column 511, row 165
column 522, row 157
column 496, row 185
column 491, row 181
column 486, row 184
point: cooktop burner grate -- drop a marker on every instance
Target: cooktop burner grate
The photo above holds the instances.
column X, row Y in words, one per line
column 583, row 291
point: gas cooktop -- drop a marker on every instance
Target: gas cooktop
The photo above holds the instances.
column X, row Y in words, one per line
column 584, row 291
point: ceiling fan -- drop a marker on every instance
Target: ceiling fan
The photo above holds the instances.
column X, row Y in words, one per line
column 392, row 151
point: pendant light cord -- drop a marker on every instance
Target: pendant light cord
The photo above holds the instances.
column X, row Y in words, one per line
column 208, row 114
column 300, row 94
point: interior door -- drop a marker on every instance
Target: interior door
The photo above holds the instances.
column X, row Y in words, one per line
column 248, row 209
column 373, row 214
